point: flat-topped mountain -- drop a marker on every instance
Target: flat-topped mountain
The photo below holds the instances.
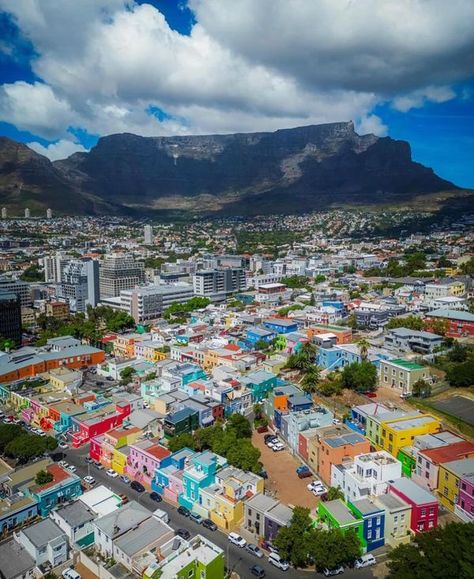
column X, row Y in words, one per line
column 287, row 171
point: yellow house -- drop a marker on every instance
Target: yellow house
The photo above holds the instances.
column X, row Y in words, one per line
column 211, row 359
column 119, row 459
column 152, row 353
column 402, row 431
column 62, row 377
column 228, row 513
column 449, row 476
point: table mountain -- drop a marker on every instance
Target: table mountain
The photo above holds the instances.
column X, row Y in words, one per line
column 290, row 170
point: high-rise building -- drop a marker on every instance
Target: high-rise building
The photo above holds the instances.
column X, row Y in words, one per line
column 49, row 213
column 219, row 282
column 4, row 213
column 80, row 284
column 27, row 213
column 146, row 304
column 10, row 317
column 148, row 231
column 119, row 272
column 54, row 266
column 18, row 287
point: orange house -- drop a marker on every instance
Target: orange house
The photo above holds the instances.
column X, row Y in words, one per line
column 339, row 449
column 343, row 335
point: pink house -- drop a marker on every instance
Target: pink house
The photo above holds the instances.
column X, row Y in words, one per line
column 424, row 506
column 145, row 457
column 465, row 506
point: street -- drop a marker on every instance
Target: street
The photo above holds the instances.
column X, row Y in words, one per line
column 237, row 559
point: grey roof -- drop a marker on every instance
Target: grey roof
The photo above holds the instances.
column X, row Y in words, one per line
column 280, row 513
column 142, row 418
column 341, row 512
column 392, row 503
column 123, row 519
column 452, row 315
column 261, row 502
column 413, row 491
column 461, row 467
column 76, row 514
column 366, row 507
column 140, row 537
column 345, row 439
column 14, row 560
column 43, row 533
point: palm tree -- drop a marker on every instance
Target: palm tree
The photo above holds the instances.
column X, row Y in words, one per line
column 363, row 349
column 309, row 349
column 310, row 380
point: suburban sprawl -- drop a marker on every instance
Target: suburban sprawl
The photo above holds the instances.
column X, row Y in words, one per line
column 288, row 395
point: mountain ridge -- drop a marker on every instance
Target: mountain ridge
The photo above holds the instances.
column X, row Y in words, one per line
column 286, row 171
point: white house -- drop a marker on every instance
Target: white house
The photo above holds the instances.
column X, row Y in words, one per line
column 75, row 520
column 45, row 542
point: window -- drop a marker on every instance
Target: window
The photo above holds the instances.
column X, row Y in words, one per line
column 432, row 510
column 191, row 573
column 369, row 523
column 423, row 512
column 446, row 476
column 445, row 491
column 402, row 517
column 369, row 534
column 395, row 518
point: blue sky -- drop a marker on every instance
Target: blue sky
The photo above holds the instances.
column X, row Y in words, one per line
column 199, row 70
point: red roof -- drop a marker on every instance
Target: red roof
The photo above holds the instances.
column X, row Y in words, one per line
column 455, row 451
column 59, row 473
column 158, row 451
column 232, row 347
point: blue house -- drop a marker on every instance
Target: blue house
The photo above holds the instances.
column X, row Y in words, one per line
column 199, row 475
column 15, row 510
column 254, row 335
column 64, row 487
column 170, row 467
column 260, row 383
column 373, row 518
column 281, row 326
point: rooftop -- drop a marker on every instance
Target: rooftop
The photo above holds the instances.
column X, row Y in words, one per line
column 406, row 364
column 413, row 491
column 341, row 512
column 42, row 533
column 14, row 560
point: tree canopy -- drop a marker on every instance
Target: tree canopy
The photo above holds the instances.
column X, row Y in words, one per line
column 360, row 376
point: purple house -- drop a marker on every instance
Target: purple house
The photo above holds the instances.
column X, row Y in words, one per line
column 465, row 505
column 275, row 518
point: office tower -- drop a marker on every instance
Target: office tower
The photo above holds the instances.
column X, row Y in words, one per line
column 4, row 213
column 27, row 213
column 18, row 287
column 53, row 267
column 219, row 282
column 145, row 304
column 148, row 230
column 10, row 317
column 119, row 272
column 49, row 213
column 80, row 284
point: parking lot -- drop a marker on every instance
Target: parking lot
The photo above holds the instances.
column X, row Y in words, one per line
column 283, row 481
column 458, row 406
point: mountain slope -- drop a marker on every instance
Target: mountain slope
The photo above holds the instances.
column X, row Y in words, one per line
column 290, row 170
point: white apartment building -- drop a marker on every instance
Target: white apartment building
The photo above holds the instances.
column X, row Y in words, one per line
column 265, row 278
column 54, row 266
column 148, row 234
column 145, row 304
column 119, row 272
column 217, row 283
column 368, row 475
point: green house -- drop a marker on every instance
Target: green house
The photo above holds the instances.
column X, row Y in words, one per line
column 406, row 457
column 337, row 515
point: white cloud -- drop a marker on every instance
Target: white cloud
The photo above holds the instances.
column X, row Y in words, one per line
column 246, row 66
column 60, row 150
column 371, row 124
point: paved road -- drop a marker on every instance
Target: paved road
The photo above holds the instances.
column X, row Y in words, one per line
column 237, row 559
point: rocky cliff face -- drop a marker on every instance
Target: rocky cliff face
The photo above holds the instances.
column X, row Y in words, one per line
column 297, row 169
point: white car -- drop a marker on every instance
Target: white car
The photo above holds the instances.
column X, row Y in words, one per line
column 90, row 480
column 71, row 468
column 319, row 491
column 63, row 446
column 336, row 421
column 63, row 463
column 111, row 473
column 314, row 485
column 365, row 561
column 236, row 539
column 70, row 573
column 277, row 561
column 277, row 447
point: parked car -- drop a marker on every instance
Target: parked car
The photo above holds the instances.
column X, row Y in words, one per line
column 263, row 473
column 268, row 437
column 319, row 491
column 124, row 498
column 257, row 571
column 236, row 539
column 70, row 573
column 71, row 468
column 303, row 471
column 331, row 572
column 63, row 445
column 278, row 447
column 63, row 463
column 263, row 428
column 365, row 561
column 124, row 478
column 277, row 561
column 89, row 480
column 111, row 473
column 371, row 394
column 314, row 484
column 254, row 550
column 184, row 511
column 183, row 533
column 336, row 421
column 209, row 525
column 196, row 518
column 136, row 486
column 269, row 547
column 88, row 460
column 156, row 497
column 98, row 465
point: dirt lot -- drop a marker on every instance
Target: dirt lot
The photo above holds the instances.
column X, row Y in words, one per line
column 282, row 478
column 84, row 572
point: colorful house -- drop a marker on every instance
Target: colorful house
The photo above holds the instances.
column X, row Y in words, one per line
column 168, row 480
column 373, row 518
column 397, row 519
column 465, row 506
column 337, row 515
column 401, row 374
column 338, row 450
column 64, row 487
column 343, row 335
column 199, row 475
column 450, row 475
column 281, row 325
column 260, row 383
column 459, row 323
column 84, row 429
column 185, row 420
column 401, row 432
column 255, row 335
column 424, row 506
column 145, row 457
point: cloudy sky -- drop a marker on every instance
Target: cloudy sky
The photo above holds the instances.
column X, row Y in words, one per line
column 73, row 70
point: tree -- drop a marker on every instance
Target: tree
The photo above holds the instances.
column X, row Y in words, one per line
column 43, row 477
column 295, row 281
column 410, row 322
column 332, row 548
column 335, row 493
column 126, row 374
column 261, row 345
column 458, row 353
column 310, row 380
column 352, row 322
column 440, row 327
column 444, row 552
column 26, row 446
column 240, row 425
column 461, row 375
column 312, row 300
column 421, row 389
column 184, row 440
column 360, row 376
column 32, row 273
column 363, row 349
column 293, row 542
column 9, row 432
